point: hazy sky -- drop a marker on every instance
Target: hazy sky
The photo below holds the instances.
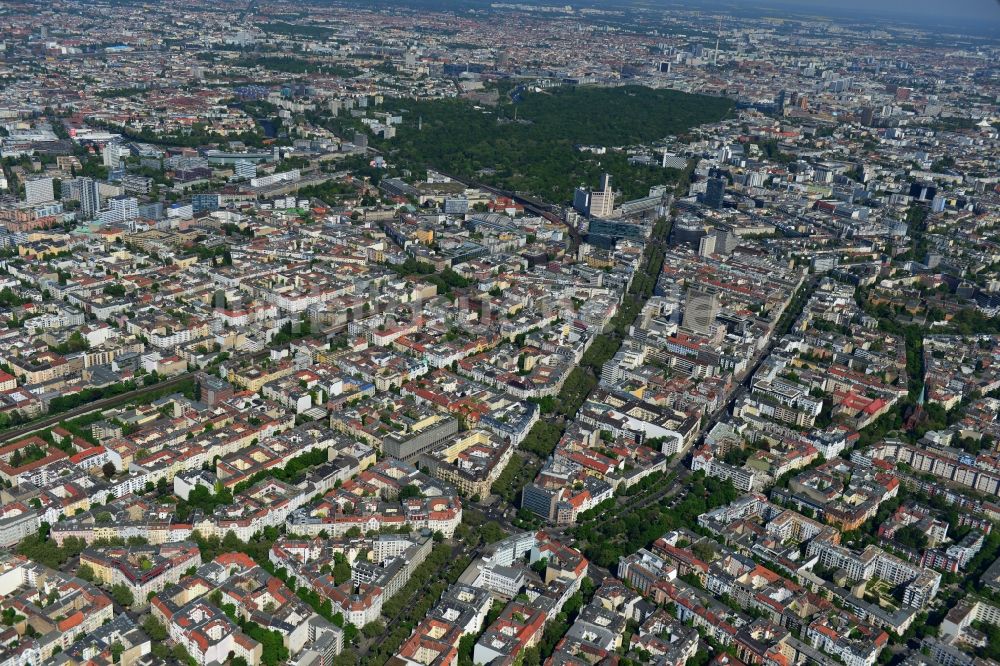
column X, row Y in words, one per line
column 980, row 11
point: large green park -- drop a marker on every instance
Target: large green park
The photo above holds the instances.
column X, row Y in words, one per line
column 532, row 145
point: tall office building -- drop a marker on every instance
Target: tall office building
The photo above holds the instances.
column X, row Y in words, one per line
column 581, row 200
column 124, row 209
column 113, row 154
column 923, row 191
column 706, row 246
column 700, row 310
column 714, row 192
column 90, row 198
column 201, row 203
column 136, row 184
column 726, row 240
column 151, row 211
column 69, row 190
column 602, row 201
column 39, row 191
column 245, row 169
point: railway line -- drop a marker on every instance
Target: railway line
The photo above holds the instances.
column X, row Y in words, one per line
column 533, row 206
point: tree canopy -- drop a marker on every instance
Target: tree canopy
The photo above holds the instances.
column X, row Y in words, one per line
column 538, row 152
